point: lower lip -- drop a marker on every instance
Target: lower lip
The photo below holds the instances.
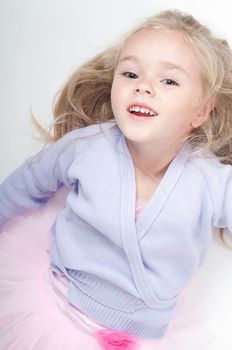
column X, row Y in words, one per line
column 137, row 117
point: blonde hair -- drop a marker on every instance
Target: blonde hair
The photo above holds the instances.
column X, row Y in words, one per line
column 85, row 97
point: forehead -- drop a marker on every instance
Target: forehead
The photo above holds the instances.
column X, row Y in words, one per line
column 155, row 45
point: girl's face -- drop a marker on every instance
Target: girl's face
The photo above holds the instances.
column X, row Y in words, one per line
column 157, row 89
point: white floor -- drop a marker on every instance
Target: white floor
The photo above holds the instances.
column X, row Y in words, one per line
column 205, row 317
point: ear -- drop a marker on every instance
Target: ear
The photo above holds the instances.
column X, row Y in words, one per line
column 203, row 113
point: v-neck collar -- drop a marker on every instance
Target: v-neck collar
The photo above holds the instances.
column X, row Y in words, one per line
column 132, row 231
column 161, row 193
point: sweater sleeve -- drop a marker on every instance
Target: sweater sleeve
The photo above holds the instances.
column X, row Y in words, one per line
column 221, row 193
column 34, row 182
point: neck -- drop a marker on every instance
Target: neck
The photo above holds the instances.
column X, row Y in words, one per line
column 153, row 159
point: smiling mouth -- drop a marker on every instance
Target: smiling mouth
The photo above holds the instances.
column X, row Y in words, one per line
column 144, row 112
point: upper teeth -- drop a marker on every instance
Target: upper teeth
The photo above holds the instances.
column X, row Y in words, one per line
column 142, row 110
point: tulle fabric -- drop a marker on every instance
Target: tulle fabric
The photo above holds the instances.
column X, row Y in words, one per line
column 34, row 313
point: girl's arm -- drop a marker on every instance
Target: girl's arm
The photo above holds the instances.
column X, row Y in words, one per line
column 34, row 182
column 221, row 195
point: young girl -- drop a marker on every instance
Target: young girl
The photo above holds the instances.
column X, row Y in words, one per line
column 143, row 144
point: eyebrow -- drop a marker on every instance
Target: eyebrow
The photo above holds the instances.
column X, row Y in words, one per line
column 165, row 64
column 171, row 65
column 129, row 58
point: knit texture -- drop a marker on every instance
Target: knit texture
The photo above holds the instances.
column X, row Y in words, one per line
column 124, row 273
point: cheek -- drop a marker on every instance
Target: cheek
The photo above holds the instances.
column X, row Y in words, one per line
column 187, row 106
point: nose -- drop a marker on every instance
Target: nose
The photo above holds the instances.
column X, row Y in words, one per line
column 144, row 87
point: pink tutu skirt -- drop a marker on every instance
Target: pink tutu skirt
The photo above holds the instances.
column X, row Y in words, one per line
column 35, row 315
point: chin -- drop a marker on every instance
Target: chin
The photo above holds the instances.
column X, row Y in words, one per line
column 139, row 139
column 139, row 134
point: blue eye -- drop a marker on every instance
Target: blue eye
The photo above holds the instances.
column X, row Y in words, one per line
column 170, row 82
column 130, row 75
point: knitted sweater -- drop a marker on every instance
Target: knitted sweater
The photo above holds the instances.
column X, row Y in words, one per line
column 124, row 273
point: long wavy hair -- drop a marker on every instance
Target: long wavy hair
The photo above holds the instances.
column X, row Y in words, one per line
column 85, row 97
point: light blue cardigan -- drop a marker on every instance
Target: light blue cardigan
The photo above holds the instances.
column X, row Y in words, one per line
column 123, row 273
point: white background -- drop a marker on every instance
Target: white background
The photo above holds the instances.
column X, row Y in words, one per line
column 41, row 43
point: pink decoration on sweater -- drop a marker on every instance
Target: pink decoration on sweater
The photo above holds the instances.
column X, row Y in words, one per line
column 112, row 340
column 138, row 208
